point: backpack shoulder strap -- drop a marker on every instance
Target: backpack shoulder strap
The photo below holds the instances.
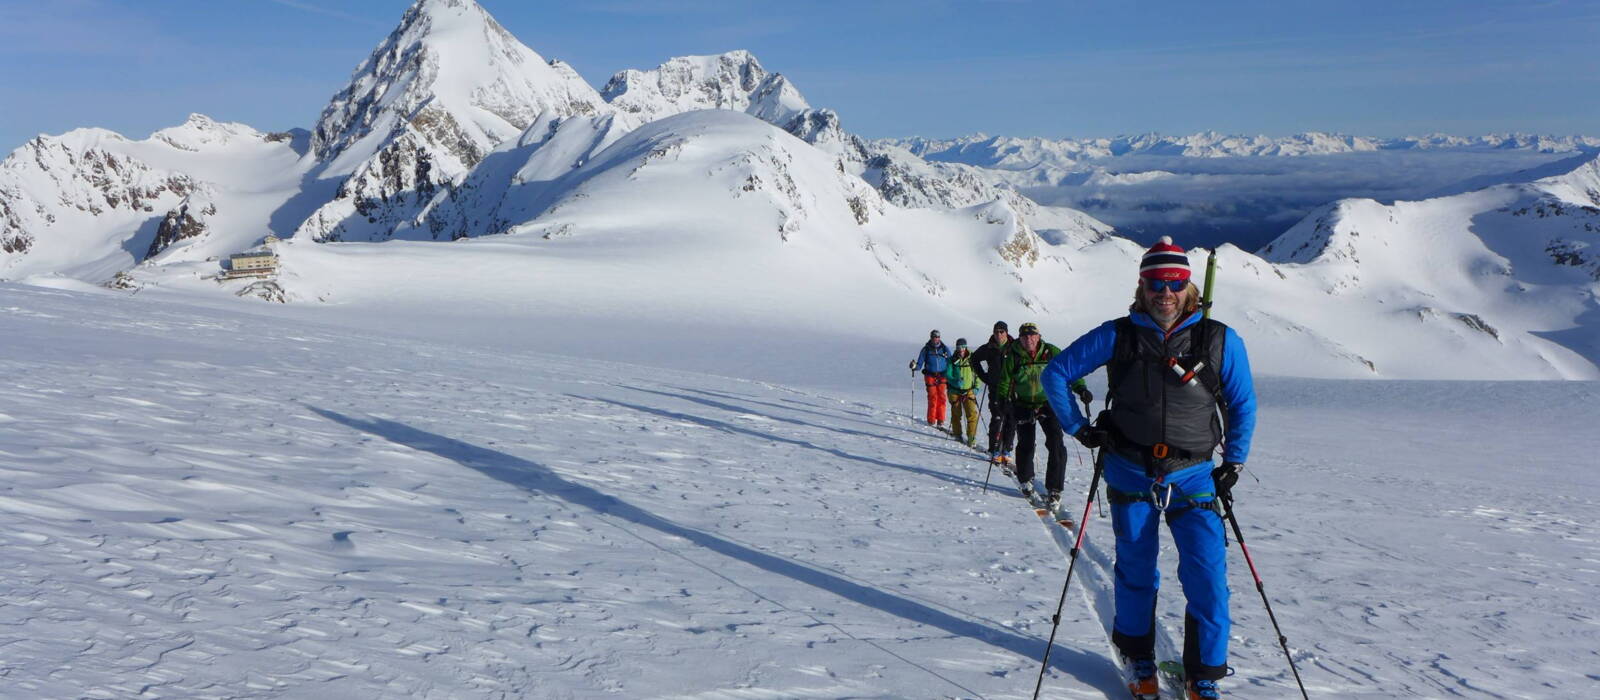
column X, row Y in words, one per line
column 1211, row 333
column 1123, row 353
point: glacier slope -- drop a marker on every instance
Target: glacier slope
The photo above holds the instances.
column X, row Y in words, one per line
column 233, row 501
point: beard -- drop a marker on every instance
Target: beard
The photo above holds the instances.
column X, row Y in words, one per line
column 1164, row 318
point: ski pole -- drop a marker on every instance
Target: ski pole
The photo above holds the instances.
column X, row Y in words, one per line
column 913, row 396
column 986, row 476
column 1211, row 269
column 1238, row 536
column 1083, row 524
column 1087, row 418
column 983, row 401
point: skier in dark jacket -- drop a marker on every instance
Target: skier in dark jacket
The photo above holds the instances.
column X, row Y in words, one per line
column 1169, row 371
column 1021, row 364
column 933, row 360
column 986, row 361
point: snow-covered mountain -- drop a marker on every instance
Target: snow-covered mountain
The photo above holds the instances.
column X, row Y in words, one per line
column 707, row 191
column 1211, row 188
column 733, row 80
column 1509, row 266
column 737, row 81
column 91, row 203
column 1022, row 154
column 441, row 92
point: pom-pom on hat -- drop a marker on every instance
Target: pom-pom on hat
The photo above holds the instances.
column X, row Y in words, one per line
column 1164, row 261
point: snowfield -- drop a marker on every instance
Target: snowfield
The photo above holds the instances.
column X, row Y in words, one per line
column 210, row 499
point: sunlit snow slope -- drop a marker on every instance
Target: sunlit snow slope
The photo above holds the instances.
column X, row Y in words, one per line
column 209, row 502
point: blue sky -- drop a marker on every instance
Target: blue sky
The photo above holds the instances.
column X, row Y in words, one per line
column 891, row 68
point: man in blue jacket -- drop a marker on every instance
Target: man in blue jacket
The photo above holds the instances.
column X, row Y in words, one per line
column 1169, row 373
column 933, row 360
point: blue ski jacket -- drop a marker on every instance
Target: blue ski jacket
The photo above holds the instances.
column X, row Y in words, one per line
column 1094, row 349
column 934, row 358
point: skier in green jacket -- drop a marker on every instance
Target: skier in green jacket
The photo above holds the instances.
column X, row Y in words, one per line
column 963, row 387
column 1023, row 361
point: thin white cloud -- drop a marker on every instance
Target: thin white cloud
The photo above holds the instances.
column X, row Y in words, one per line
column 328, row 12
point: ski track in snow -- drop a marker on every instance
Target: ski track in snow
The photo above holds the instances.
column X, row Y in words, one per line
column 197, row 503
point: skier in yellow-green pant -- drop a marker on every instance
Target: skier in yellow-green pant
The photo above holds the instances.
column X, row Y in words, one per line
column 963, row 388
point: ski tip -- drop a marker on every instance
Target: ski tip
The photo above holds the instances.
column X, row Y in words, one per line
column 1040, row 511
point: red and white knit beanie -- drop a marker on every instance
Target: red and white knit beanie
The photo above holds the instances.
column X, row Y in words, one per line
column 1164, row 261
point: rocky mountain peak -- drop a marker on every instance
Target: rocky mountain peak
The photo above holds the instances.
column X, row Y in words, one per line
column 443, row 90
column 734, row 80
column 452, row 73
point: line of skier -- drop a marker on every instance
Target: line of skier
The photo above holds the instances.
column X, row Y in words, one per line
column 1179, row 387
column 1018, row 408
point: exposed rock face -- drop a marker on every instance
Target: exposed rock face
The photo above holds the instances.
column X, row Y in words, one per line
column 185, row 221
column 734, row 80
column 546, row 154
column 441, row 92
column 482, row 85
column 49, row 177
column 899, row 176
column 13, row 237
column 821, row 128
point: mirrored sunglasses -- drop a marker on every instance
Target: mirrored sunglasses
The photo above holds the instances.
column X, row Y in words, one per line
column 1173, row 286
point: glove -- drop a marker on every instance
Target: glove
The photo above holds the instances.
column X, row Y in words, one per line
column 1090, row 436
column 1226, row 476
column 1083, row 394
column 912, row 365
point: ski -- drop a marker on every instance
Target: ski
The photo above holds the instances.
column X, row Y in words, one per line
column 1172, row 679
column 1057, row 517
column 1097, row 576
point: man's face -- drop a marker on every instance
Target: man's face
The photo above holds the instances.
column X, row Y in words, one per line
column 1030, row 341
column 1160, row 297
column 1002, row 336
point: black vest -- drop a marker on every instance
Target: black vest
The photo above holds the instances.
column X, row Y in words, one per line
column 1151, row 404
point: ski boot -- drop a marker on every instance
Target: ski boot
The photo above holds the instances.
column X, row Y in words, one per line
column 1026, row 489
column 1140, row 675
column 1052, row 503
column 1204, row 690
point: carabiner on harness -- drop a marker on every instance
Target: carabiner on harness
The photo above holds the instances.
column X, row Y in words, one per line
column 1161, row 500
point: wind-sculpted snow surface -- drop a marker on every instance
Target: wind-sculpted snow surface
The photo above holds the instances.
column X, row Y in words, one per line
column 211, row 503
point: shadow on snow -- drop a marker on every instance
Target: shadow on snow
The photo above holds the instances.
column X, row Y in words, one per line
column 538, row 478
column 741, row 430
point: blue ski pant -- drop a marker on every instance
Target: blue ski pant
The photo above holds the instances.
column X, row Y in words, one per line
column 1197, row 531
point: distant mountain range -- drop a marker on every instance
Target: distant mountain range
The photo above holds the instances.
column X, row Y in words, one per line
column 1012, row 153
column 461, row 173
column 1211, row 188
